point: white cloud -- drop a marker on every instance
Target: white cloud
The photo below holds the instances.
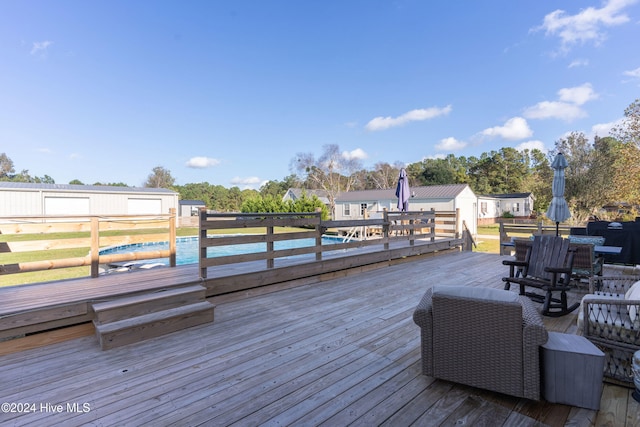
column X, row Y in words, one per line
column 586, row 26
column 40, row 47
column 251, row 182
column 579, row 63
column 633, row 73
column 358, row 153
column 382, row 123
column 515, row 128
column 531, row 145
column 202, row 162
column 554, row 110
column 450, row 144
column 568, row 106
column 578, row 95
column 603, row 129
column 435, row 156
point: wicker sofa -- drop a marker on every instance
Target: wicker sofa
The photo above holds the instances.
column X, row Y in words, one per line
column 613, row 313
column 483, row 337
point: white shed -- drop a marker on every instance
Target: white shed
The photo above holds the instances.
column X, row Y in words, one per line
column 353, row 204
column 24, row 199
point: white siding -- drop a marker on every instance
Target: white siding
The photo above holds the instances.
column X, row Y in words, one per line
column 66, row 205
column 36, row 202
column 16, row 203
column 136, row 206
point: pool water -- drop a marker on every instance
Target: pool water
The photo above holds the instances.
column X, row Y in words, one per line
column 187, row 249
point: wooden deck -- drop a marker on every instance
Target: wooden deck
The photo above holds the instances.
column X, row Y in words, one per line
column 341, row 352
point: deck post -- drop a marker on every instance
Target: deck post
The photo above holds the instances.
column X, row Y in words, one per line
column 270, row 261
column 319, row 234
column 432, row 232
column 172, row 237
column 95, row 247
column 202, row 239
column 385, row 228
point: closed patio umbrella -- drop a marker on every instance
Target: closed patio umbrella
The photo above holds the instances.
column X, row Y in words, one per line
column 403, row 191
column 558, row 210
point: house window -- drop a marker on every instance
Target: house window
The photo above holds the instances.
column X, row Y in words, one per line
column 363, row 208
column 516, row 207
column 483, row 207
column 346, row 209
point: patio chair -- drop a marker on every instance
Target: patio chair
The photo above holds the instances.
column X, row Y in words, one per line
column 482, row 337
column 547, row 266
column 610, row 319
column 586, row 265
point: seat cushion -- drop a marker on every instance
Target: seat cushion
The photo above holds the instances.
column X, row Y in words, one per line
column 594, row 240
column 480, row 293
column 633, row 294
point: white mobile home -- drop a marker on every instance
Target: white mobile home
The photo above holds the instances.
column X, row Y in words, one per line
column 25, row 199
column 357, row 204
column 494, row 206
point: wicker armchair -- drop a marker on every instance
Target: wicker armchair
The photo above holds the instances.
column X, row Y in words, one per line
column 613, row 313
column 483, row 337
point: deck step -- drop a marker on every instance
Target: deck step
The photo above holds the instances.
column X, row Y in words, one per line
column 151, row 325
column 137, row 305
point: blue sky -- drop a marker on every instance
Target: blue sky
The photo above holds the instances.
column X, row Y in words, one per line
column 228, row 92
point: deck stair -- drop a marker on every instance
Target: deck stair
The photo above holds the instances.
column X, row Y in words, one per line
column 137, row 318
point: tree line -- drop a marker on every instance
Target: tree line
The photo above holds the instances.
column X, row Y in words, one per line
column 604, row 171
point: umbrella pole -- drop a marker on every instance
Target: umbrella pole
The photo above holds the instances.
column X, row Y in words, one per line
column 557, row 228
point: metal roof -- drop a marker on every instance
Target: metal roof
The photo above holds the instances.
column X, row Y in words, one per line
column 508, row 196
column 450, row 191
column 28, row 186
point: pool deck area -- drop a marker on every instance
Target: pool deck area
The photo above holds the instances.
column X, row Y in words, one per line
column 340, row 351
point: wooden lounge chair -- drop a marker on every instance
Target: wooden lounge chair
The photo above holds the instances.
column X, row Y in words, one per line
column 547, row 266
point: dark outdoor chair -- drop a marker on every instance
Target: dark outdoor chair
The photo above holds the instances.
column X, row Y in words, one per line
column 547, row 266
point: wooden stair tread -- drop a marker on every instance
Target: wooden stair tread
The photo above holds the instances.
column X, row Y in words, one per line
column 132, row 322
column 137, row 305
column 152, row 325
column 136, row 299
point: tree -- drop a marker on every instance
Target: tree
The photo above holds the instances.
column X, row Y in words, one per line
column 332, row 171
column 538, row 179
column 6, row 166
column 111, row 184
column 384, row 175
column 159, row 178
column 279, row 188
column 629, row 130
column 588, row 181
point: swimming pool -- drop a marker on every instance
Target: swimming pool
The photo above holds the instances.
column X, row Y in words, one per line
column 187, row 249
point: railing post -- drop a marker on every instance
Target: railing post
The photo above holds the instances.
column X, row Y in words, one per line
column 412, row 235
column 95, row 247
column 270, row 261
column 319, row 234
column 202, row 239
column 172, row 237
column 432, row 230
column 385, row 228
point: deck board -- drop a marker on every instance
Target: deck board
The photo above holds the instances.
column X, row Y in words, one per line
column 341, row 352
